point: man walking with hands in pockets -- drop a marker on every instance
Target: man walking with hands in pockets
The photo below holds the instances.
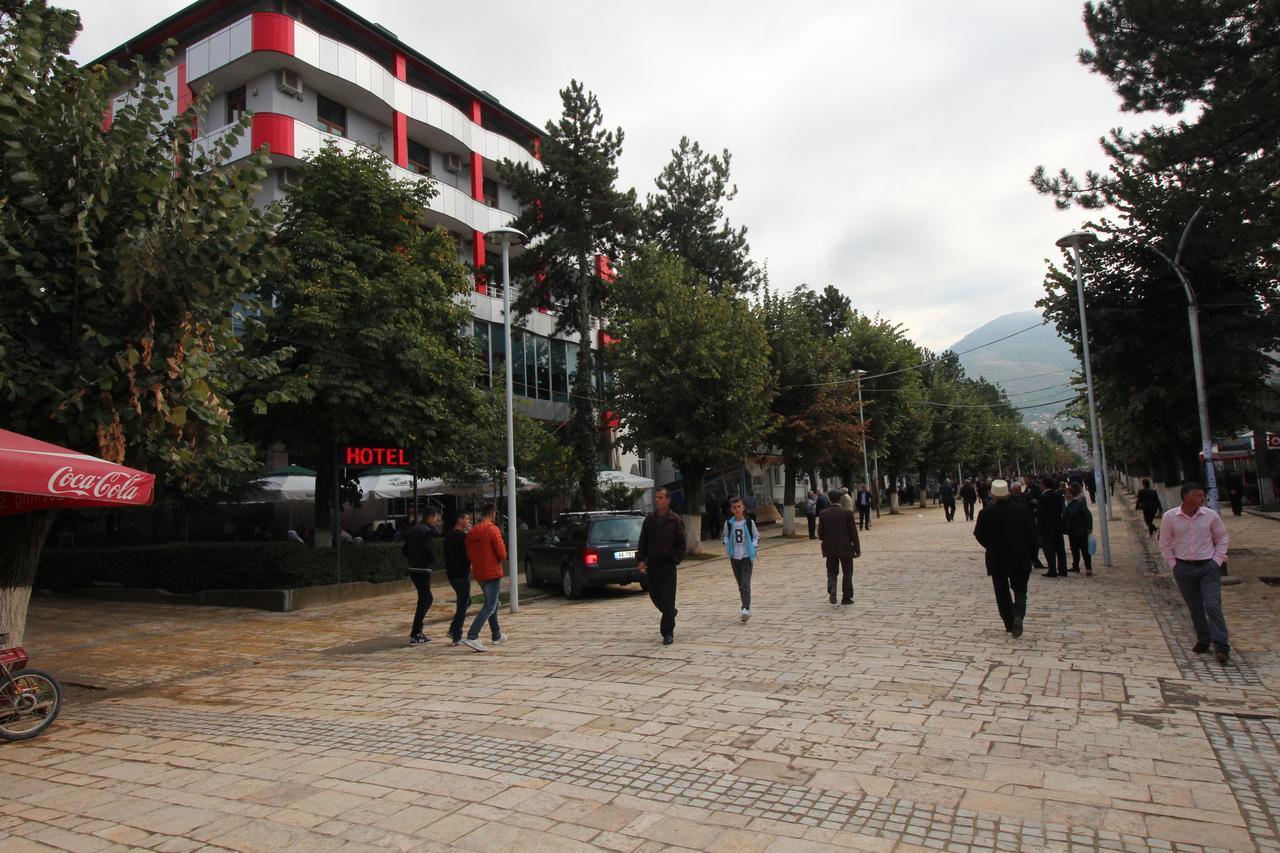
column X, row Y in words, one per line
column 660, row 550
column 1193, row 542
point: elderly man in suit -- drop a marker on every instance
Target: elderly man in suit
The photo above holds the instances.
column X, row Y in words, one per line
column 838, row 530
column 1007, row 531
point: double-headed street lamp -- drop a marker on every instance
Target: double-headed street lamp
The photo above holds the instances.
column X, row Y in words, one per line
column 1074, row 241
column 504, row 237
column 1197, row 362
column 862, row 418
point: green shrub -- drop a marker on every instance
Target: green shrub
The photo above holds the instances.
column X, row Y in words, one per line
column 193, row 567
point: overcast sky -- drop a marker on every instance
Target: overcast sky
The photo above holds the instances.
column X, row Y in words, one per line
column 883, row 147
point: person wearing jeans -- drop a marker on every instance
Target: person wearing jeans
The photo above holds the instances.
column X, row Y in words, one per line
column 1193, row 543
column 458, row 568
column 741, row 537
column 486, row 552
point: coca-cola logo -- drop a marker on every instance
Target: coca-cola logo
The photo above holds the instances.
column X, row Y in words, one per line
column 112, row 486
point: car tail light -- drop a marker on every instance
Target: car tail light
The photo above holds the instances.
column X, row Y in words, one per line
column 590, row 557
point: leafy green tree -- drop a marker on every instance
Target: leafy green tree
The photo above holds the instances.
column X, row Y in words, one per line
column 691, row 373
column 370, row 302
column 577, row 220
column 686, row 218
column 835, row 310
column 1212, row 61
column 126, row 258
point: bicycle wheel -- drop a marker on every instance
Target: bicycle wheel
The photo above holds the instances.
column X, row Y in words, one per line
column 28, row 704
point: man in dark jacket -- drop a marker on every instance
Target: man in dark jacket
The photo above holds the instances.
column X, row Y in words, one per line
column 947, row 497
column 1049, row 523
column 968, row 498
column 458, row 566
column 838, row 531
column 419, row 550
column 659, row 551
column 1149, row 503
column 1007, row 532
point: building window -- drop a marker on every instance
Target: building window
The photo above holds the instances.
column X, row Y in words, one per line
column 643, row 467
column 237, row 103
column 419, row 158
column 498, row 359
column 480, row 338
column 491, row 192
column 331, row 115
column 544, row 369
column 559, row 375
column 518, row 367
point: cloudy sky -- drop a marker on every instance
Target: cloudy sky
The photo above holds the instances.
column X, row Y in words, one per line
column 883, row 147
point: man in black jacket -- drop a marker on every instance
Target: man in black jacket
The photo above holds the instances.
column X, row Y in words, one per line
column 969, row 498
column 419, row 550
column 1005, row 529
column 1049, row 511
column 947, row 497
column 659, row 551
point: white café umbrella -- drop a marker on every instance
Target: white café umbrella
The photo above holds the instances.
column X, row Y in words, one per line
column 291, row 483
column 631, row 481
column 396, row 483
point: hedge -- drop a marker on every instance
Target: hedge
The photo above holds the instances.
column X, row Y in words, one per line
column 193, row 567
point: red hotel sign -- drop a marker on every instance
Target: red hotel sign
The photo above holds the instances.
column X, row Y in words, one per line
column 381, row 456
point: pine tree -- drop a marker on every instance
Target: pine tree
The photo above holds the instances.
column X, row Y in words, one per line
column 686, row 218
column 578, row 224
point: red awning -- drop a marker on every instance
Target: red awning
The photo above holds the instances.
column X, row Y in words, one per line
column 38, row 475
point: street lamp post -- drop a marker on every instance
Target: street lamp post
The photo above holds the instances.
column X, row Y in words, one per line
column 866, row 471
column 1074, row 241
column 1197, row 363
column 505, row 237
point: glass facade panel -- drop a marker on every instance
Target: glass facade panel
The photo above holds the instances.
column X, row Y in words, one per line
column 544, row 369
column 518, row 363
column 480, row 339
column 559, row 375
column 530, row 365
column 498, row 357
column 570, row 363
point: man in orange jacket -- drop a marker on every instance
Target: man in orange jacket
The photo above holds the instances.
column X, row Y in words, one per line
column 486, row 552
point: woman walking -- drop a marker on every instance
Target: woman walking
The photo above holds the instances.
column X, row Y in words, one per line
column 1079, row 523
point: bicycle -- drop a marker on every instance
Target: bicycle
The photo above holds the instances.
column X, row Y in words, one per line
column 29, row 698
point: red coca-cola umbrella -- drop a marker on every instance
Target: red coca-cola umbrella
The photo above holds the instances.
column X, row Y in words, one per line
column 38, row 475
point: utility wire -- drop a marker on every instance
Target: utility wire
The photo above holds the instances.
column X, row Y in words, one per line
column 925, row 363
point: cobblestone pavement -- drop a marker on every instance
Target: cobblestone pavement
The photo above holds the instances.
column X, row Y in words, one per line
column 908, row 721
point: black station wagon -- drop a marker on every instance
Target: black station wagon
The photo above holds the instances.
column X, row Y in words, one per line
column 586, row 549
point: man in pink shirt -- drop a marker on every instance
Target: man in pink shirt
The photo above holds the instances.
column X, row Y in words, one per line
column 1193, row 542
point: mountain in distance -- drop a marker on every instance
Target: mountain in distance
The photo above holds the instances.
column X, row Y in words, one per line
column 1015, row 364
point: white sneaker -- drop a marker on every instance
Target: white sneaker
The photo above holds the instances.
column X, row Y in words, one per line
column 746, row 614
column 501, row 638
column 474, row 644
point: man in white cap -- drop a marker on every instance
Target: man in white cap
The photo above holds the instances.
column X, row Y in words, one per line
column 1008, row 533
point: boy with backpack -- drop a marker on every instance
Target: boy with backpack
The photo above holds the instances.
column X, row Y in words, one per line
column 741, row 537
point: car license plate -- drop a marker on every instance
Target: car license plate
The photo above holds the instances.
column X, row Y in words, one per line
column 624, row 555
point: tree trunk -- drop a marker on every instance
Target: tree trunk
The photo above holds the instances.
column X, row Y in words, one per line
column 924, row 499
column 789, row 497
column 584, row 436
column 21, row 541
column 324, row 499
column 893, row 495
column 693, row 474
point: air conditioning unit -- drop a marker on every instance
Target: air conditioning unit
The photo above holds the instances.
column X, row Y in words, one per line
column 289, row 179
column 289, row 82
column 452, row 162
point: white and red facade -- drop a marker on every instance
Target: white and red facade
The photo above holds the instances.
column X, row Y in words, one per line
column 313, row 71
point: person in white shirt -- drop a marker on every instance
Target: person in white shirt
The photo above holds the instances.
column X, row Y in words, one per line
column 740, row 537
column 1193, row 543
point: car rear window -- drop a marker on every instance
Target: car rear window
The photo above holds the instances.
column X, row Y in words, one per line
column 615, row 530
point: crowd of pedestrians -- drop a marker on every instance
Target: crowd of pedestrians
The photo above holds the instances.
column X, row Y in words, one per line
column 1018, row 522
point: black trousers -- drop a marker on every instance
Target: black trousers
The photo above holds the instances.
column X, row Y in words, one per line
column 968, row 510
column 1237, row 502
column 950, row 510
column 1148, row 515
column 1011, row 597
column 864, row 517
column 421, row 582
column 662, row 592
column 1080, row 546
column 836, row 566
column 813, row 526
column 1055, row 552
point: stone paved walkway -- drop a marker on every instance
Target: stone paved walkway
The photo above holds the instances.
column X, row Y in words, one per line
column 909, row 721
